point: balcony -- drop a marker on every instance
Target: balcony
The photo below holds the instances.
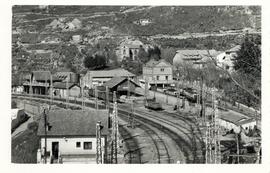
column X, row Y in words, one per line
column 41, row 84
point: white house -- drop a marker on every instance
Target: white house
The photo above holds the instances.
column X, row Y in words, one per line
column 188, row 56
column 129, row 48
column 225, row 59
column 71, row 136
column 158, row 73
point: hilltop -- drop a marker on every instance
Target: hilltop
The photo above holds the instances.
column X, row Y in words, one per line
column 67, row 30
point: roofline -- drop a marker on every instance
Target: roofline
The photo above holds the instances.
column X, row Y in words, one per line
column 235, row 123
column 70, row 136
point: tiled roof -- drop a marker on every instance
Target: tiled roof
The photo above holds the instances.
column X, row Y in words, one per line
column 41, row 75
column 65, row 122
column 153, row 62
column 110, row 73
column 117, row 80
column 63, row 85
column 63, row 74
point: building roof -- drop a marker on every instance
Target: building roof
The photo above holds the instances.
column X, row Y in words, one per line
column 63, row 85
column 235, row 118
column 135, row 44
column 234, row 49
column 153, row 62
column 110, row 73
column 118, row 80
column 66, row 122
column 192, row 55
column 43, row 75
column 63, row 74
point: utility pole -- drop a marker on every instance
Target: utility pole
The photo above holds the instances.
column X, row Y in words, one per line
column 99, row 159
column 167, row 93
column 107, row 99
column 153, row 79
column 146, row 91
column 67, row 91
column 128, row 91
column 96, row 97
column 51, row 88
column 178, row 96
column 212, row 142
column 83, row 101
column 45, row 113
column 30, row 86
column 114, row 141
column 237, row 147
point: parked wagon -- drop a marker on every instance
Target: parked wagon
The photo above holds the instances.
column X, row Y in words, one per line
column 152, row 104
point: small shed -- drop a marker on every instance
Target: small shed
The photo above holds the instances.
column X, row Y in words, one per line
column 122, row 85
column 60, row 89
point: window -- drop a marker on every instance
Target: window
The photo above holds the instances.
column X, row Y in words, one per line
column 124, row 51
column 87, row 145
column 157, row 77
column 78, row 144
column 162, row 69
column 166, row 77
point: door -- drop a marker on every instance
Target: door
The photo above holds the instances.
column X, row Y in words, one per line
column 55, row 149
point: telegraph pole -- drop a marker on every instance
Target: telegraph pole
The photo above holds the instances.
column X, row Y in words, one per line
column 128, row 91
column 83, row 101
column 96, row 97
column 51, row 81
column 114, row 141
column 67, row 92
column 178, row 95
column 45, row 113
column 167, row 93
column 212, row 135
column 107, row 99
column 99, row 159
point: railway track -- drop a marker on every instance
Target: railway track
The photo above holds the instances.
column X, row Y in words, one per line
column 162, row 152
column 133, row 154
column 189, row 132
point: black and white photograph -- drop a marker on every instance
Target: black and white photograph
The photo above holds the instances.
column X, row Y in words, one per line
column 136, row 84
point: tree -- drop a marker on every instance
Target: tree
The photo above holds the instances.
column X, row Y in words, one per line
column 154, row 53
column 88, row 62
column 248, row 59
column 94, row 62
column 142, row 55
